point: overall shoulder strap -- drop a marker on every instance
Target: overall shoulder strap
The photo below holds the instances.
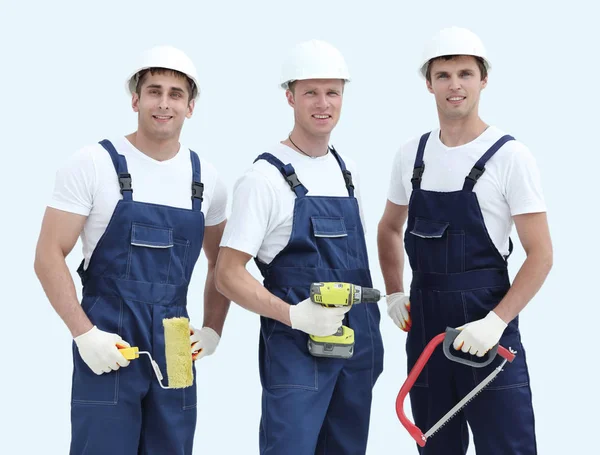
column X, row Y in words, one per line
column 197, row 185
column 479, row 168
column 345, row 172
column 419, row 164
column 120, row 164
column 287, row 171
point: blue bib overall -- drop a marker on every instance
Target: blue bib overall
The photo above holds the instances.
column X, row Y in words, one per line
column 137, row 276
column 458, row 277
column 313, row 405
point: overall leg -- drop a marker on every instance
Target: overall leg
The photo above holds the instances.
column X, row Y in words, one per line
column 297, row 389
column 169, row 421
column 170, row 415
column 434, row 392
column 501, row 417
column 345, row 430
column 106, row 414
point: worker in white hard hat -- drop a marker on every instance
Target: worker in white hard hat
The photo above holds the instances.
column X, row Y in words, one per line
column 296, row 211
column 144, row 206
column 460, row 188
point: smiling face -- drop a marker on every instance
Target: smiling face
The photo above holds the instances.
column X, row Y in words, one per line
column 456, row 83
column 317, row 104
column 162, row 101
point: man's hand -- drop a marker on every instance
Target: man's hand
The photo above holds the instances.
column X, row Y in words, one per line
column 478, row 337
column 316, row 319
column 203, row 342
column 399, row 310
column 99, row 350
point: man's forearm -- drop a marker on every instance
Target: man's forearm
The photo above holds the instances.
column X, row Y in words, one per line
column 216, row 305
column 242, row 288
column 53, row 273
column 526, row 284
column 391, row 259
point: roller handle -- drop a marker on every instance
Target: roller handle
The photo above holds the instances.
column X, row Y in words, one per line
column 129, row 353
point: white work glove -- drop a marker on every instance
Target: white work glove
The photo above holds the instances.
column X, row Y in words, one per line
column 478, row 337
column 399, row 310
column 203, row 342
column 316, row 319
column 99, row 350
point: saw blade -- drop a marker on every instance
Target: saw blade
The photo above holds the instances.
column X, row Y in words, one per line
column 462, row 403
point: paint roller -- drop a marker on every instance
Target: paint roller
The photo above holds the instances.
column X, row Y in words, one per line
column 177, row 353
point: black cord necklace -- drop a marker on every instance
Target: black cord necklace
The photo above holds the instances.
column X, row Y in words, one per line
column 310, row 156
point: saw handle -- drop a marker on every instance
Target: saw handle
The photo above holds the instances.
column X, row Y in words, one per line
column 451, row 334
column 416, row 370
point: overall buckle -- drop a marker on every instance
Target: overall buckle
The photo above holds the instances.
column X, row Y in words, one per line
column 125, row 182
column 197, row 191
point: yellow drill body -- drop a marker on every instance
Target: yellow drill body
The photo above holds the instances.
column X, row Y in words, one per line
column 336, row 294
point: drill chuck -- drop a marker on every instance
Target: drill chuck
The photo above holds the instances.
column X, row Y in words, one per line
column 370, row 295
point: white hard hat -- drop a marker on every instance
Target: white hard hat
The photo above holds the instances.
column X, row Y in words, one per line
column 313, row 59
column 453, row 41
column 164, row 57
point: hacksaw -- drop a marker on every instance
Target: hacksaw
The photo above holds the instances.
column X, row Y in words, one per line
column 447, row 338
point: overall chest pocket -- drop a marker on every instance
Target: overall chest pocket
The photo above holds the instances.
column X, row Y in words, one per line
column 437, row 248
column 155, row 256
column 331, row 240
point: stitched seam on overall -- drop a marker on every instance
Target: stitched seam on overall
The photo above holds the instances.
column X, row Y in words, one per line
column 128, row 262
column 463, row 239
column 487, row 234
column 119, row 331
column 185, row 259
column 294, row 386
column 93, row 305
column 264, row 422
column 372, row 347
column 425, row 371
column 447, row 247
column 171, row 253
column 468, row 290
column 509, row 386
column 464, row 302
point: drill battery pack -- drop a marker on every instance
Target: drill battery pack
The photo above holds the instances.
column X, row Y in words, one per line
column 340, row 345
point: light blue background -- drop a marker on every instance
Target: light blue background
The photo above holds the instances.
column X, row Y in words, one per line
column 62, row 81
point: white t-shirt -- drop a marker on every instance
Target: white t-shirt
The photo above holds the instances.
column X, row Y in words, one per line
column 510, row 185
column 260, row 223
column 87, row 185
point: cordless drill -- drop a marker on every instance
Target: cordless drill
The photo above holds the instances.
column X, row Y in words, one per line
column 334, row 294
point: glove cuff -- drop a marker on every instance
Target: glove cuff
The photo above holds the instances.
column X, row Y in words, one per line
column 496, row 320
column 394, row 297
column 211, row 334
column 85, row 335
column 293, row 316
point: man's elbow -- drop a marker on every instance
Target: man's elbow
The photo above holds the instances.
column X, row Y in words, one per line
column 382, row 229
column 544, row 258
column 548, row 260
column 40, row 261
column 221, row 277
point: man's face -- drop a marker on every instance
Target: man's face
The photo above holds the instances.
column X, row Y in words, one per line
column 456, row 84
column 317, row 104
column 162, row 105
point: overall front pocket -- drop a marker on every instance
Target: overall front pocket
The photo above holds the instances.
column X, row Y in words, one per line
column 155, row 256
column 105, row 312
column 331, row 240
column 289, row 365
column 437, row 248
